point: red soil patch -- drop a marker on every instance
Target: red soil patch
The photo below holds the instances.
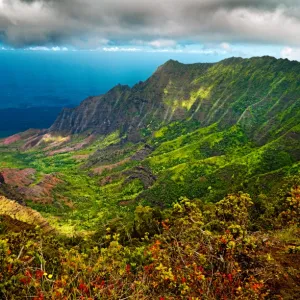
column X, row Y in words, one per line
column 65, row 200
column 32, row 141
column 57, row 143
column 32, row 138
column 23, row 136
column 41, row 192
column 99, row 170
column 81, row 156
column 75, row 147
column 106, row 180
column 42, row 137
column 17, row 177
column 11, row 139
column 26, row 136
column 126, row 202
column 23, row 181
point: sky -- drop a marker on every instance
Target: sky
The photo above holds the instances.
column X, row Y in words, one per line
column 210, row 28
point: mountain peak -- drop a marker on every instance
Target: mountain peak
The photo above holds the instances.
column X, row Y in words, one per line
column 119, row 88
column 169, row 65
column 172, row 62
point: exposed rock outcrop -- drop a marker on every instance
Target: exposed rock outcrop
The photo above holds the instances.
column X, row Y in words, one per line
column 143, row 174
column 142, row 153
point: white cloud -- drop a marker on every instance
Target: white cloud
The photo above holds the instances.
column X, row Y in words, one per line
column 43, row 48
column 226, row 47
column 162, row 43
column 290, row 53
column 59, row 48
column 285, row 52
column 38, row 48
column 120, row 49
column 164, row 50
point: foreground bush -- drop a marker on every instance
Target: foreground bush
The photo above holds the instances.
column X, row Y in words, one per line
column 179, row 259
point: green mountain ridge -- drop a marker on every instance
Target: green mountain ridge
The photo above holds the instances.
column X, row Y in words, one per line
column 257, row 93
column 199, row 130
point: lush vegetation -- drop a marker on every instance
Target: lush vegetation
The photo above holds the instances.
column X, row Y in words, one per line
column 190, row 251
column 116, row 205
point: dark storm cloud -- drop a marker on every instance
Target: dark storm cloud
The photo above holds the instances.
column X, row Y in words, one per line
column 94, row 22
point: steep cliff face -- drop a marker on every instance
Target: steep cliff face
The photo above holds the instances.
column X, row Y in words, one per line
column 94, row 113
column 131, row 109
column 258, row 93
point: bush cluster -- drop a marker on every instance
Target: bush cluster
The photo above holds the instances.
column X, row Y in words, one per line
column 191, row 251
